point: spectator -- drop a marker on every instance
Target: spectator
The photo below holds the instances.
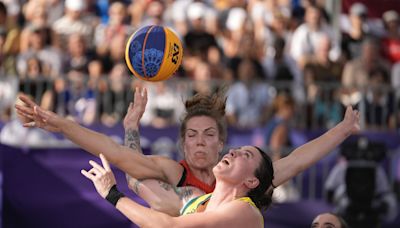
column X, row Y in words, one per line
column 198, row 41
column 391, row 42
column 378, row 101
column 306, row 36
column 114, row 100
column 282, row 69
column 73, row 22
column 78, row 56
column 104, row 33
column 277, row 130
column 164, row 108
column 277, row 140
column 9, row 34
column 34, row 42
column 271, row 18
column 78, row 100
column 353, row 37
column 356, row 72
column 322, row 77
column 247, row 97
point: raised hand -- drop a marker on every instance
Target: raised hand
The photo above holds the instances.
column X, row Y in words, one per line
column 101, row 176
column 38, row 117
column 136, row 109
column 352, row 120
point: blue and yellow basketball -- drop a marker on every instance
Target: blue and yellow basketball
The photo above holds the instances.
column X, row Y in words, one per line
column 153, row 53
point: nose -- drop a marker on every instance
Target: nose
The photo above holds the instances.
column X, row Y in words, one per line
column 200, row 140
column 233, row 153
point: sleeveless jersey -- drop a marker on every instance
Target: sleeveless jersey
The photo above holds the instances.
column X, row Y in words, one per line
column 188, row 179
column 199, row 204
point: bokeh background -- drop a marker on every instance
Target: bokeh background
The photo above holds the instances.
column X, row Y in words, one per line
column 292, row 63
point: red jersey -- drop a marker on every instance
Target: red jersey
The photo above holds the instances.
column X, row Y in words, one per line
column 188, row 179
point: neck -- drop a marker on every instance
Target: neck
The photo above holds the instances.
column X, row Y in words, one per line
column 205, row 175
column 225, row 193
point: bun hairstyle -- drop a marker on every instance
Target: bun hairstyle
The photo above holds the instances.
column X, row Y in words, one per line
column 210, row 105
column 262, row 194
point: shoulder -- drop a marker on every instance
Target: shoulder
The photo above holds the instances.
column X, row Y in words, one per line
column 248, row 213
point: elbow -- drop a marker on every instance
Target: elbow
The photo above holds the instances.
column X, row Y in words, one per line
column 163, row 207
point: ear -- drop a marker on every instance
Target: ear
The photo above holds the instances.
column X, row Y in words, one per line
column 252, row 182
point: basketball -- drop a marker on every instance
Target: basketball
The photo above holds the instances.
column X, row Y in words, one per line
column 153, row 53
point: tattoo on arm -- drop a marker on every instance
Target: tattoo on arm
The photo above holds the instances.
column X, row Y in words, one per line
column 133, row 183
column 184, row 193
column 181, row 192
column 132, row 139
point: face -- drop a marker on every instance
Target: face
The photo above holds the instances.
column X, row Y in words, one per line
column 313, row 17
column 326, row 221
column 201, row 143
column 239, row 166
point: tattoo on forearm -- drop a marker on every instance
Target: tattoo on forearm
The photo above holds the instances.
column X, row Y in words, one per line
column 181, row 192
column 184, row 193
column 132, row 139
column 133, row 183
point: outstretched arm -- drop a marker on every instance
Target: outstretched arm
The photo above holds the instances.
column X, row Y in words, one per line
column 161, row 196
column 232, row 214
column 308, row 154
column 135, row 164
column 164, row 197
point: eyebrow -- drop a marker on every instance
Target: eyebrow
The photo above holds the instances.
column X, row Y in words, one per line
column 251, row 153
column 207, row 129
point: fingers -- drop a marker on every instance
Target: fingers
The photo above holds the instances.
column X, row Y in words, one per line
column 97, row 166
column 145, row 96
column 106, row 165
column 43, row 114
column 24, row 114
column 27, row 100
column 87, row 174
column 141, row 93
column 24, row 109
column 30, row 124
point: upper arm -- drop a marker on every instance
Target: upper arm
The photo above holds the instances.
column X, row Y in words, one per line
column 142, row 166
column 235, row 214
column 284, row 169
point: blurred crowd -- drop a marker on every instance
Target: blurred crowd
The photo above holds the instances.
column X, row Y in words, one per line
column 69, row 56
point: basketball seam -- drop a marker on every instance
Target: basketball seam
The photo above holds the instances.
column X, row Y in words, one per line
column 165, row 51
column 143, row 50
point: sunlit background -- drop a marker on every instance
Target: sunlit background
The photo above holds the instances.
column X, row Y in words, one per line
column 302, row 61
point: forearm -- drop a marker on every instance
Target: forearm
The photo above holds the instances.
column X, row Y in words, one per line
column 316, row 149
column 142, row 216
column 308, row 154
column 132, row 139
column 91, row 141
column 159, row 195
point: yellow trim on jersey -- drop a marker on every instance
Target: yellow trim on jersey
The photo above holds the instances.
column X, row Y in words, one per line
column 191, row 206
